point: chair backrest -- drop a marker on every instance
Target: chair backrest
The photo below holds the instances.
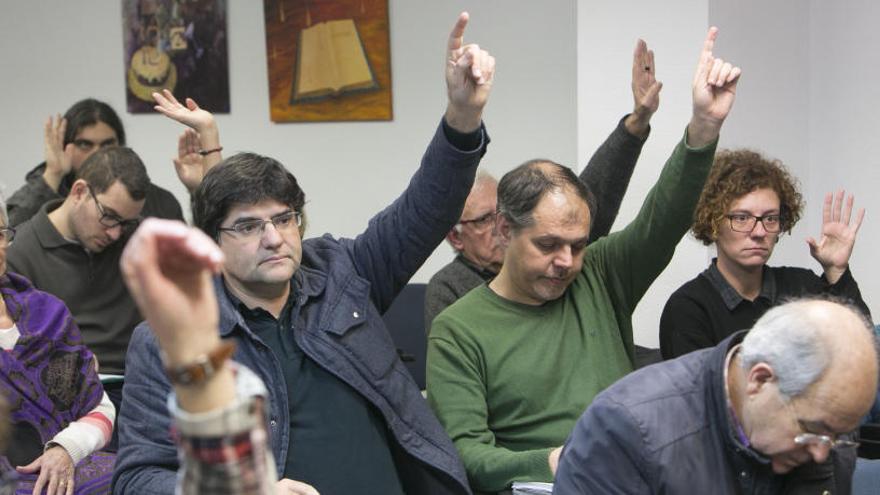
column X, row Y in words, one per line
column 405, row 320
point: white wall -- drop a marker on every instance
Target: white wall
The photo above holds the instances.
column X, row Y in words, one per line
column 607, row 33
column 54, row 52
column 807, row 96
column 844, row 98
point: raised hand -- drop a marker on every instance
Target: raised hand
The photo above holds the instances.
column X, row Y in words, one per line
column 714, row 89
column 58, row 157
column 645, row 88
column 835, row 245
column 56, row 472
column 167, row 267
column 190, row 165
column 207, row 137
column 190, row 115
column 470, row 72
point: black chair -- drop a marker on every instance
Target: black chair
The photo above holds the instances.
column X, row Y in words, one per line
column 869, row 441
column 405, row 320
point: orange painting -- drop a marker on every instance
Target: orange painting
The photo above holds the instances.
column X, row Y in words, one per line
column 329, row 60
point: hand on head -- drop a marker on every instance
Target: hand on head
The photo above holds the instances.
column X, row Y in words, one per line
column 714, row 89
column 59, row 158
column 470, row 73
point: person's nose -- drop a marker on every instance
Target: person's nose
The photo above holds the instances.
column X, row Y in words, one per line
column 564, row 257
column 819, row 452
column 270, row 237
column 115, row 232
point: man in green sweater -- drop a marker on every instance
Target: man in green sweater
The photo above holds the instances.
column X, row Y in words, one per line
column 513, row 364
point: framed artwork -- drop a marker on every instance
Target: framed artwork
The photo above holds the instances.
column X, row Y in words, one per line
column 180, row 45
column 329, row 60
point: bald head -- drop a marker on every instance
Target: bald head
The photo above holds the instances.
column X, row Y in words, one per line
column 820, row 349
column 522, row 189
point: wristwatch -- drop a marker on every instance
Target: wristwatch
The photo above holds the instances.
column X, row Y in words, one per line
column 204, row 367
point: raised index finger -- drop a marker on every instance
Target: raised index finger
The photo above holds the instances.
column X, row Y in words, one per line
column 456, row 37
column 706, row 54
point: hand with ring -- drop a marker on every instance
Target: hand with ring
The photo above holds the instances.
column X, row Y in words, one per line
column 56, row 472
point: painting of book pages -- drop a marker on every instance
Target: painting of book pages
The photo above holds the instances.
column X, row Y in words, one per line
column 328, row 60
column 179, row 45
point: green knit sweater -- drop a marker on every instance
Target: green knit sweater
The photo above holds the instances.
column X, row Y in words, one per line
column 508, row 381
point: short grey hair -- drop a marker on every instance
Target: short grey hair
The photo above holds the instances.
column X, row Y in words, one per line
column 483, row 177
column 790, row 340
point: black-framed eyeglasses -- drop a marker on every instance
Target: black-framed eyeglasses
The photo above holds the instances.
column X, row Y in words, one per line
column 481, row 222
column 745, row 223
column 111, row 220
column 7, row 234
column 253, row 228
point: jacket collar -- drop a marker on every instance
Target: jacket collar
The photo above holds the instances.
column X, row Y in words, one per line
column 306, row 283
column 720, row 407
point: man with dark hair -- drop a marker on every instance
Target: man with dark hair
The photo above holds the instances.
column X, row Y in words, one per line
column 479, row 253
column 758, row 413
column 71, row 249
column 86, row 127
column 305, row 316
column 513, row 363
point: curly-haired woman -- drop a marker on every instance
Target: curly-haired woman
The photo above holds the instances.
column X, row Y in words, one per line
column 747, row 203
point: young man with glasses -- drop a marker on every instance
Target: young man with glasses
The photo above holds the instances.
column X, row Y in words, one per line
column 748, row 201
column 761, row 412
column 71, row 249
column 479, row 252
column 87, row 126
column 305, row 315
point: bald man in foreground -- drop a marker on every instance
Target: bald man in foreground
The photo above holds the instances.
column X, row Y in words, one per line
column 762, row 412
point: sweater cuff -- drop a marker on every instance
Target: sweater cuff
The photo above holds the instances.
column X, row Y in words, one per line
column 539, row 466
column 710, row 147
column 628, row 136
column 470, row 141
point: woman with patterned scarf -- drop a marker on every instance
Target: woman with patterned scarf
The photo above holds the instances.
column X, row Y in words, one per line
column 59, row 414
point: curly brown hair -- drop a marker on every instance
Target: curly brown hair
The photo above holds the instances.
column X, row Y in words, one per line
column 736, row 173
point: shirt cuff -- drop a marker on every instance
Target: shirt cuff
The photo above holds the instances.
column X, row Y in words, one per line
column 239, row 416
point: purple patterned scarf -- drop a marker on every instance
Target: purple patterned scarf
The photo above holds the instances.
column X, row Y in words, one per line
column 48, row 378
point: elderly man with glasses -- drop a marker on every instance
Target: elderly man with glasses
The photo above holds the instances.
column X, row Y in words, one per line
column 760, row 412
column 72, row 246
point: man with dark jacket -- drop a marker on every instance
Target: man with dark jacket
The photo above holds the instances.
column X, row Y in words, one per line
column 344, row 415
column 760, row 413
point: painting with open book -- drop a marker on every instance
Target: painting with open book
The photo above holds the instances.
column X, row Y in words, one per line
column 329, row 60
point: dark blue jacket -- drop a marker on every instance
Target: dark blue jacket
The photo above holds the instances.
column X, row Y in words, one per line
column 347, row 285
column 664, row 429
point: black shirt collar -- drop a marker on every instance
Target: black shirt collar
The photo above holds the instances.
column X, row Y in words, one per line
column 729, row 295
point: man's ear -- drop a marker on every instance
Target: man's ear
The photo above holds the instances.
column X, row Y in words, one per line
column 503, row 229
column 759, row 376
column 454, row 239
column 79, row 190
